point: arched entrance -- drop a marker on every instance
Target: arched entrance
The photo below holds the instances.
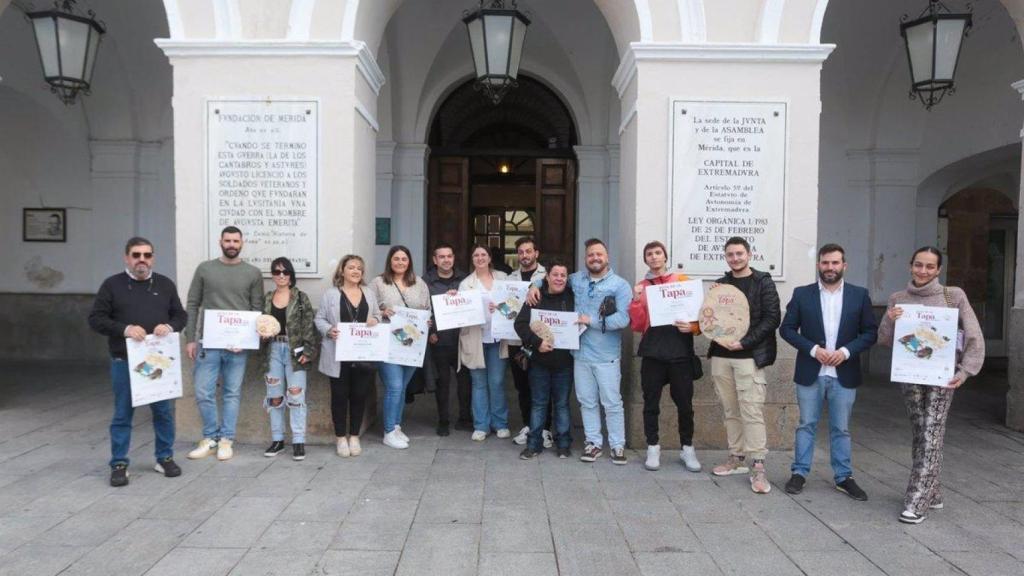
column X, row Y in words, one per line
column 498, row 173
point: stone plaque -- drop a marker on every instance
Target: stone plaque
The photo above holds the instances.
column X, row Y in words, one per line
column 728, row 178
column 263, row 177
column 725, row 313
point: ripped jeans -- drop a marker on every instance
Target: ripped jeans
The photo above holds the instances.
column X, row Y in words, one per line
column 279, row 375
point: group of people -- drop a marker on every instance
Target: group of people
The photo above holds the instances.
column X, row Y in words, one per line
column 830, row 323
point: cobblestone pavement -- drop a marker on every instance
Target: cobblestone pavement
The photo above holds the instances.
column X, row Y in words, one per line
column 451, row 506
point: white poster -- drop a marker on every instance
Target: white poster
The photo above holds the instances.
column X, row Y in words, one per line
column 508, row 297
column 728, row 178
column 924, row 345
column 154, row 367
column 455, row 311
column 563, row 327
column 667, row 303
column 228, row 329
column 358, row 342
column 263, row 177
column 408, row 342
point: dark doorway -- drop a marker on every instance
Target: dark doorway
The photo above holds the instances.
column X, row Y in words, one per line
column 498, row 173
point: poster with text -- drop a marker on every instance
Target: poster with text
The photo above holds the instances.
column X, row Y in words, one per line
column 154, row 368
column 667, row 303
column 407, row 342
column 728, row 178
column 358, row 342
column 563, row 327
column 458, row 310
column 229, row 329
column 263, row 177
column 508, row 297
column 924, row 346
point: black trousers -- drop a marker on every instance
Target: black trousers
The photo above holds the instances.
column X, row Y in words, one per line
column 446, row 360
column 349, row 392
column 654, row 374
column 521, row 378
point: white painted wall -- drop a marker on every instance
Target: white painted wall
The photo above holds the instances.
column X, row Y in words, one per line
column 107, row 159
column 886, row 163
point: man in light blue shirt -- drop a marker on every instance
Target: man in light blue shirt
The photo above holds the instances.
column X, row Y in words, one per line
column 602, row 301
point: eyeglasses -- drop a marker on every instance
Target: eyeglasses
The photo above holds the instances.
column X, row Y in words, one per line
column 138, row 255
column 280, row 272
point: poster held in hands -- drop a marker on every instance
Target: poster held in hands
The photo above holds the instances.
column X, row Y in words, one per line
column 924, row 346
column 458, row 310
column 674, row 301
column 358, row 342
column 154, row 368
column 229, row 329
column 563, row 327
column 508, row 297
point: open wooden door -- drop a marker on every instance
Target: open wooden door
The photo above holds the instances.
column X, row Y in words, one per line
column 556, row 209
column 448, row 207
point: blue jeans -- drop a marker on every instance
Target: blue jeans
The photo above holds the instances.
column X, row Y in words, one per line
column 544, row 383
column 121, row 423
column 600, row 382
column 490, row 410
column 230, row 366
column 280, row 374
column 840, row 405
column 395, row 378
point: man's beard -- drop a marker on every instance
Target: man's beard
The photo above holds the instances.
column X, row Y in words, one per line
column 230, row 252
column 599, row 267
column 141, row 270
column 836, row 276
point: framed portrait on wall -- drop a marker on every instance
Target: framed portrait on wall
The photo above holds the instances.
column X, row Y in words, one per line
column 44, row 225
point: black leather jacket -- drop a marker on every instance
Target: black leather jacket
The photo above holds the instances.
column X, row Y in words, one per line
column 765, row 317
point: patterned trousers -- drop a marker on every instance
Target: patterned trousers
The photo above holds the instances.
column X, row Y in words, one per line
column 927, row 407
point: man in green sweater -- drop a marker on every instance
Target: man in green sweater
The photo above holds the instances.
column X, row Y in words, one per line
column 224, row 283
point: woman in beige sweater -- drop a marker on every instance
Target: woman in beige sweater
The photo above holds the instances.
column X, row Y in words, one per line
column 485, row 357
column 928, row 406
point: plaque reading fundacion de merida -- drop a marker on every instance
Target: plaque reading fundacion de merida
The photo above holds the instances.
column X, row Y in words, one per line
column 263, row 177
column 728, row 178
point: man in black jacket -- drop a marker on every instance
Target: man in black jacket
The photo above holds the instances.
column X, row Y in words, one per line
column 132, row 304
column 444, row 345
column 738, row 368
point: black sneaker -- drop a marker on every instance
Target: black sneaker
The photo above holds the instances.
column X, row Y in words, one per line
column 276, row 447
column 795, row 484
column 119, row 475
column 528, row 454
column 850, row 488
column 443, row 430
column 564, row 453
column 168, row 468
column 618, row 456
column 590, row 453
column 298, row 451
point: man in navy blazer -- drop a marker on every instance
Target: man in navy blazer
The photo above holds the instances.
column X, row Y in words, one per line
column 830, row 323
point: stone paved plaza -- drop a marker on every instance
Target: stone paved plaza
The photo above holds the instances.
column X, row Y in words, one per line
column 452, row 507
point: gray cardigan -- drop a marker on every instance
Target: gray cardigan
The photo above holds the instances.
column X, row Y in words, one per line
column 327, row 317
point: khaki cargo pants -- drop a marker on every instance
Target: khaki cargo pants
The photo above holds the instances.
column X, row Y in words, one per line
column 741, row 387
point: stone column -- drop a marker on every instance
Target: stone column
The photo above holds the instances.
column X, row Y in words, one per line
column 345, row 79
column 409, row 201
column 385, row 187
column 1015, row 370
column 649, row 77
column 592, row 202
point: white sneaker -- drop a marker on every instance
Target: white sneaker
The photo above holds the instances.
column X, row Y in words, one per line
column 653, row 461
column 549, row 440
column 478, row 436
column 205, row 447
column 354, row 447
column 689, row 458
column 504, row 433
column 224, row 450
column 342, row 447
column 521, row 437
column 398, row 430
column 392, row 440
